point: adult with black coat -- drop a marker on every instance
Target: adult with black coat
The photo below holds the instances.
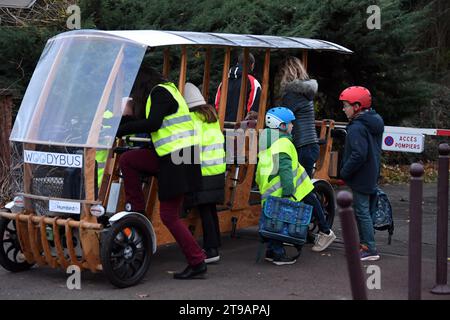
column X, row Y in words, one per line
column 212, row 160
column 172, row 131
column 297, row 92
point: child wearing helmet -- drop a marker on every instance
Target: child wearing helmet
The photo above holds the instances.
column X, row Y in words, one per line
column 277, row 158
column 361, row 162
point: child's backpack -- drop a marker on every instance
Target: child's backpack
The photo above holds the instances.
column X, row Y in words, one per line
column 285, row 221
column 383, row 219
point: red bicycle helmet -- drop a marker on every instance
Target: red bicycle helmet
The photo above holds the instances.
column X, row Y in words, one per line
column 357, row 94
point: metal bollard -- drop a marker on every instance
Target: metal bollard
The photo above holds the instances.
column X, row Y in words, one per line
column 441, row 286
column 351, row 242
column 415, row 232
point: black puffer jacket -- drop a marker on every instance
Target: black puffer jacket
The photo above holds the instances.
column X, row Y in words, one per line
column 298, row 96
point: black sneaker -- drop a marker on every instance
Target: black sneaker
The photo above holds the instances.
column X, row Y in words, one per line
column 281, row 260
column 212, row 255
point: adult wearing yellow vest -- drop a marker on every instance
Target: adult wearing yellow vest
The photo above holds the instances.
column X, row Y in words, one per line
column 212, row 160
column 172, row 132
column 279, row 174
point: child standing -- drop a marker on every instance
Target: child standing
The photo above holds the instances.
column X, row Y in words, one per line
column 279, row 174
column 212, row 160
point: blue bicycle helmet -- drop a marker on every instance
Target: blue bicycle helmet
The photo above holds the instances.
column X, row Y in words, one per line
column 278, row 115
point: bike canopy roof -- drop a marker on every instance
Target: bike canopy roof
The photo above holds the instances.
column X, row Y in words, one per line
column 82, row 81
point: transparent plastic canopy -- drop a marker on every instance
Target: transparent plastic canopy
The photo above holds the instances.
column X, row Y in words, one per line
column 78, row 90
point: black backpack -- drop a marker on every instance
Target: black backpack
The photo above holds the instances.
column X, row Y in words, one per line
column 383, row 219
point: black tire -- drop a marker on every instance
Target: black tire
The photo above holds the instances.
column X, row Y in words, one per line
column 11, row 255
column 325, row 194
column 126, row 250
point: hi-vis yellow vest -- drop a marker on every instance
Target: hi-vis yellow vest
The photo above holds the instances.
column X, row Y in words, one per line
column 102, row 155
column 211, row 142
column 302, row 183
column 177, row 130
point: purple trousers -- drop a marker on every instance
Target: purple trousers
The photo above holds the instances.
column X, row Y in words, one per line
column 133, row 165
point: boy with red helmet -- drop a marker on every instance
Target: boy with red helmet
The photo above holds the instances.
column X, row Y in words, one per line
column 361, row 162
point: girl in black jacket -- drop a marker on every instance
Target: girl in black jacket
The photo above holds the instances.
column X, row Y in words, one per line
column 297, row 93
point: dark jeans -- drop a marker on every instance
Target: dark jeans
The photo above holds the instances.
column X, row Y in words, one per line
column 307, row 156
column 210, row 225
column 145, row 161
column 364, row 206
column 312, row 200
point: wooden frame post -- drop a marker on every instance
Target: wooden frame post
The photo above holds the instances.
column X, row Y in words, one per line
column 264, row 91
column 305, row 59
column 243, row 92
column 224, row 87
column 183, row 67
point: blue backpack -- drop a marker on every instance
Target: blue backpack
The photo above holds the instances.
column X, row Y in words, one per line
column 383, row 219
column 285, row 221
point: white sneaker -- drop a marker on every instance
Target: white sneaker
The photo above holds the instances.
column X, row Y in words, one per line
column 323, row 241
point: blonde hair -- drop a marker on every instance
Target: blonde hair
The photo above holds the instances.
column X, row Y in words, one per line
column 207, row 111
column 291, row 70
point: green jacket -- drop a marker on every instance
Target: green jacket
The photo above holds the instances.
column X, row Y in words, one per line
column 284, row 162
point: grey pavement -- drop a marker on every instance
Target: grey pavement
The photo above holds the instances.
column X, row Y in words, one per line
column 237, row 276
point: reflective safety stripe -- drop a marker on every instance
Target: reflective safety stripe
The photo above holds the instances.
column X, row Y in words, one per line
column 212, row 147
column 101, row 165
column 211, row 141
column 163, row 141
column 302, row 178
column 177, row 130
column 277, row 185
column 177, row 120
column 213, row 162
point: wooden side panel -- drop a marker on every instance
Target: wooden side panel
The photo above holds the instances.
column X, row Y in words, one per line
column 24, row 240
column 34, row 242
column 89, row 238
column 51, row 261
column 323, row 164
column 58, row 245
column 70, row 246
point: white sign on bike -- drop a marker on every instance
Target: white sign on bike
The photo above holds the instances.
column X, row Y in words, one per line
column 53, row 159
column 64, row 206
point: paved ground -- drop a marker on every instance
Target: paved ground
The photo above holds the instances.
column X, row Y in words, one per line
column 237, row 276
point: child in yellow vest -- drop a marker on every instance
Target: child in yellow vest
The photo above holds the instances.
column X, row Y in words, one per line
column 279, row 174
